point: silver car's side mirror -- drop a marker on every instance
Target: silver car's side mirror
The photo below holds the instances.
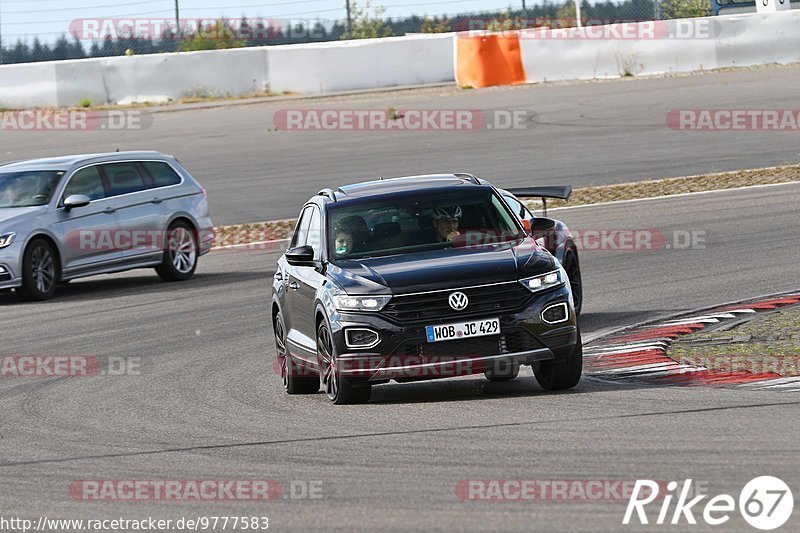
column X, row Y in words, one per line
column 76, row 200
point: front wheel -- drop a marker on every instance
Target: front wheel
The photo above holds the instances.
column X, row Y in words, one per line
column 573, row 269
column 180, row 256
column 339, row 390
column 560, row 375
column 296, row 380
column 39, row 271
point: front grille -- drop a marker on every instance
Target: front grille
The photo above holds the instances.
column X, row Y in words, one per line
column 511, row 340
column 433, row 307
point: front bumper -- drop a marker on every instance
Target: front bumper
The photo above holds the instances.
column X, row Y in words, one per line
column 10, row 266
column 403, row 353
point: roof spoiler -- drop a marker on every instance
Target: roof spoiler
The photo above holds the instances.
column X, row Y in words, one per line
column 561, row 192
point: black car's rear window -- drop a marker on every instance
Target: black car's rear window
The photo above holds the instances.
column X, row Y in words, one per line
column 412, row 223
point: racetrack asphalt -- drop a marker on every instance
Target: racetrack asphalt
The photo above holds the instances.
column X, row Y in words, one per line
column 208, row 405
column 577, row 133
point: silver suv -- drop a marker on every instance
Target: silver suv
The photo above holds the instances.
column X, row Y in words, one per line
column 68, row 217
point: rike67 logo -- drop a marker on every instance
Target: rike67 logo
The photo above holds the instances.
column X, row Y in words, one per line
column 765, row 503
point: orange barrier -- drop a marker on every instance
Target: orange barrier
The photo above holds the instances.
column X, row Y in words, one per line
column 490, row 59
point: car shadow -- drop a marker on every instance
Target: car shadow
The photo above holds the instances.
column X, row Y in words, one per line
column 476, row 388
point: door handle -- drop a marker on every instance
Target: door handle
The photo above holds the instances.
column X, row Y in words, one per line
column 109, row 210
column 156, row 200
column 294, row 285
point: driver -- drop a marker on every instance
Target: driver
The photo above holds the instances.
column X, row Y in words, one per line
column 445, row 222
column 14, row 192
column 344, row 242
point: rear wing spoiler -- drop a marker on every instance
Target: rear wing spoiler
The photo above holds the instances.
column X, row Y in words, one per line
column 561, row 192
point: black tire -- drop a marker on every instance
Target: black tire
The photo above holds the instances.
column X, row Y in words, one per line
column 339, row 390
column 573, row 269
column 502, row 371
column 40, row 271
column 180, row 253
column 563, row 374
column 296, row 380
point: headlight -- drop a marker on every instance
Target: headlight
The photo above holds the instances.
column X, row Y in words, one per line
column 545, row 281
column 360, row 303
column 6, row 239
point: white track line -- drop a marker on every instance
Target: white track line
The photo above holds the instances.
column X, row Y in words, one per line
column 680, row 195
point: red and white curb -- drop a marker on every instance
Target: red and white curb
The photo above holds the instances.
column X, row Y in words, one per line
column 639, row 353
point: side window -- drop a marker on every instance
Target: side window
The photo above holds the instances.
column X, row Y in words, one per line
column 163, row 174
column 123, row 178
column 515, row 206
column 301, row 233
column 518, row 208
column 86, row 181
column 314, row 238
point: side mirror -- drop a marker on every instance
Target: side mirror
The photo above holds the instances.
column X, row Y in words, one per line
column 76, row 200
column 300, row 256
column 544, row 228
column 541, row 225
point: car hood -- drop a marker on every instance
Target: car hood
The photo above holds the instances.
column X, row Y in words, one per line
column 9, row 216
column 442, row 269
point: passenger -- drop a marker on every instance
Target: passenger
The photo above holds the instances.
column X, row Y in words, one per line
column 445, row 222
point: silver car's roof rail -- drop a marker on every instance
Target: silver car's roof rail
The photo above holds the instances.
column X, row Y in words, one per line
column 327, row 192
column 468, row 177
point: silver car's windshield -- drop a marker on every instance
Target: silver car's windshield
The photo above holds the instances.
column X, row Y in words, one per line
column 28, row 189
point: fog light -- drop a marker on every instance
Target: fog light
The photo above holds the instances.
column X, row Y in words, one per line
column 555, row 313
column 360, row 338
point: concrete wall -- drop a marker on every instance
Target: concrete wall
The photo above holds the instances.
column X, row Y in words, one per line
column 732, row 40
column 676, row 46
column 304, row 68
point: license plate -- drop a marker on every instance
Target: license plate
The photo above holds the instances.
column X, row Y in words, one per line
column 463, row 330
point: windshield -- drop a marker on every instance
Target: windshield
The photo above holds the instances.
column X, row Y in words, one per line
column 413, row 223
column 27, row 189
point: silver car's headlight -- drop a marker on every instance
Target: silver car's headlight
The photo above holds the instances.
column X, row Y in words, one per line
column 545, row 281
column 6, row 239
column 343, row 302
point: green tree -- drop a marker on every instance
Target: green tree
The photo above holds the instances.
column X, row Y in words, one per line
column 505, row 22
column 435, row 25
column 365, row 26
column 566, row 16
column 221, row 37
column 685, row 9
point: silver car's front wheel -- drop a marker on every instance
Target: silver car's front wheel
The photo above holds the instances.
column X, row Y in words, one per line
column 39, row 271
column 181, row 253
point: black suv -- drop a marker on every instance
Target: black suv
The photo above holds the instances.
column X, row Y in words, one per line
column 418, row 278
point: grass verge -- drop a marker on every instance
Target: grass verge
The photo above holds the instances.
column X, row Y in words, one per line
column 281, row 229
column 769, row 342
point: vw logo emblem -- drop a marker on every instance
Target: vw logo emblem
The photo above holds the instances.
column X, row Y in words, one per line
column 458, row 301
